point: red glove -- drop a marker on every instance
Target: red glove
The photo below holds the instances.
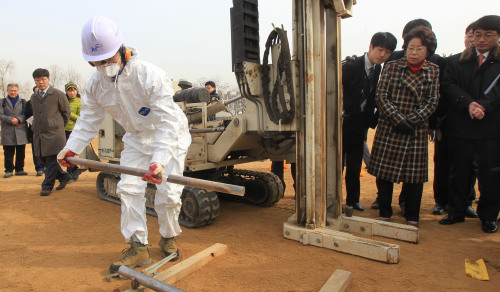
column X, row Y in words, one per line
column 62, row 155
column 156, row 177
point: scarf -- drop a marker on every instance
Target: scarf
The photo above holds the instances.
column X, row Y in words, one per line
column 416, row 69
column 14, row 101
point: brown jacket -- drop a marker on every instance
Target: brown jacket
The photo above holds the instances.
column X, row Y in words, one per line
column 398, row 157
column 51, row 114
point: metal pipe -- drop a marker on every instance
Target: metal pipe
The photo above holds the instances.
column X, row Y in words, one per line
column 206, row 130
column 177, row 179
column 146, row 281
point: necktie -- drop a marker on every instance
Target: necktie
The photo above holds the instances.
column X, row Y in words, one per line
column 41, row 93
column 481, row 59
column 370, row 73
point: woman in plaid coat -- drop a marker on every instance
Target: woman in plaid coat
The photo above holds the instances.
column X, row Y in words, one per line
column 407, row 95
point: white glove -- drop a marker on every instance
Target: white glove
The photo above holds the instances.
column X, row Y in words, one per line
column 62, row 155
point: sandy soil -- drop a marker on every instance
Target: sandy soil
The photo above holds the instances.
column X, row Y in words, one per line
column 66, row 242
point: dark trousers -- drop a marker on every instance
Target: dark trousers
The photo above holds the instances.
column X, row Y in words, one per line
column 413, row 197
column 352, row 154
column 36, row 160
column 53, row 171
column 462, row 154
column 277, row 169
column 8, row 152
column 442, row 174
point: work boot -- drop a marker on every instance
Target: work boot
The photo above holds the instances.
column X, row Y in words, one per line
column 135, row 256
column 168, row 247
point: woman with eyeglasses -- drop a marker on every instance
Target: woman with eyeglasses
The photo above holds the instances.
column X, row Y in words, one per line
column 407, row 95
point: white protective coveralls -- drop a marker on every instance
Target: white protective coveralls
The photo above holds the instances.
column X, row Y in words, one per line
column 156, row 132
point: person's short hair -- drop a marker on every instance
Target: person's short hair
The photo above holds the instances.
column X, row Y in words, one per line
column 469, row 27
column 34, row 87
column 385, row 40
column 211, row 83
column 426, row 35
column 41, row 73
column 415, row 23
column 488, row 22
column 12, row 85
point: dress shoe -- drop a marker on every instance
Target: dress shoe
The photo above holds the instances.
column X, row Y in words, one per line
column 450, row 219
column 375, row 204
column 384, row 219
column 7, row 174
column 64, row 182
column 39, row 173
column 357, row 206
column 438, row 210
column 45, row 192
column 22, row 172
column 470, row 213
column 489, row 226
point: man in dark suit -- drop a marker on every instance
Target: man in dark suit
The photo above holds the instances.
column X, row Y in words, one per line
column 471, row 88
column 359, row 80
column 51, row 113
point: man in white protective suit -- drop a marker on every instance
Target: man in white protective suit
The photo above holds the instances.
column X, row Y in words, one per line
column 138, row 95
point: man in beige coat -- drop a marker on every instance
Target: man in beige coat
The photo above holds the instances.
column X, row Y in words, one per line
column 51, row 113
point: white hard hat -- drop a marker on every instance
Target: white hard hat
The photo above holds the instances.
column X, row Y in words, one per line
column 101, row 39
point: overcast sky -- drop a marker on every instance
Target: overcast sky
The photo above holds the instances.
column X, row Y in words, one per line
column 192, row 39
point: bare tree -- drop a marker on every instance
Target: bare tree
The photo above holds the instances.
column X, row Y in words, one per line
column 220, row 85
column 56, row 77
column 26, row 90
column 6, row 69
column 71, row 75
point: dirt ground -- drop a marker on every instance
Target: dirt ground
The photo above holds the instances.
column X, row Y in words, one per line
column 66, row 242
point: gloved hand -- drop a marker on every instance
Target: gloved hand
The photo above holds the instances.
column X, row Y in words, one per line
column 157, row 176
column 405, row 127
column 62, row 155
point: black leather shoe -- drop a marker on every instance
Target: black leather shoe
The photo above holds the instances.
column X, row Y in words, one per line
column 438, row 210
column 63, row 183
column 375, row 204
column 22, row 172
column 470, row 213
column 45, row 192
column 450, row 219
column 489, row 226
column 357, row 206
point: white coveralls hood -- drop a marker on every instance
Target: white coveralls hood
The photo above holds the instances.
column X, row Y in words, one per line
column 156, row 132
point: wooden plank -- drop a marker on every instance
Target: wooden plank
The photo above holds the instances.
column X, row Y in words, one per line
column 369, row 226
column 337, row 282
column 343, row 242
column 193, row 263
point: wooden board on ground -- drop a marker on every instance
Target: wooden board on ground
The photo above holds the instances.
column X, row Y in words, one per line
column 191, row 264
column 337, row 282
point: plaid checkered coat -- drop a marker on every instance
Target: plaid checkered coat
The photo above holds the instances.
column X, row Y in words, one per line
column 398, row 157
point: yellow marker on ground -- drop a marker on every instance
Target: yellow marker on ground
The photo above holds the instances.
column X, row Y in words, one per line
column 476, row 270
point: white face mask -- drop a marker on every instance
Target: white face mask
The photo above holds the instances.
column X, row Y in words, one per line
column 109, row 70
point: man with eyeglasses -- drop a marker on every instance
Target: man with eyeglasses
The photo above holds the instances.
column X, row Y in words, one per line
column 471, row 88
column 138, row 95
column 51, row 113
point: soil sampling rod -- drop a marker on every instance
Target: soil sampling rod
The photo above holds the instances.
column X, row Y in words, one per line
column 139, row 278
column 177, row 179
